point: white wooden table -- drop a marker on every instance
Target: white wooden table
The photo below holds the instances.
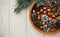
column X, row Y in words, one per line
column 12, row 25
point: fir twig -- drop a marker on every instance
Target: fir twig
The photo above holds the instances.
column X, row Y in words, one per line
column 21, row 4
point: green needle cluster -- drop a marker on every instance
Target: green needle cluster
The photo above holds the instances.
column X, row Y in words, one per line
column 21, row 4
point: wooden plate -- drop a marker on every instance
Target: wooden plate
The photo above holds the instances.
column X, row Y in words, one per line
column 53, row 30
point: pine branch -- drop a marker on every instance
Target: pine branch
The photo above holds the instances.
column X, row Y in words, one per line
column 21, row 4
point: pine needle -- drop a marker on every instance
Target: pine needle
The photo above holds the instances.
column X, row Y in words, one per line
column 21, row 4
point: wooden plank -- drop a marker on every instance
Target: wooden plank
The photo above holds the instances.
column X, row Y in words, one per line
column 4, row 18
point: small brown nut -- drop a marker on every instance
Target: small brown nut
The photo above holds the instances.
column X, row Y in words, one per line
column 38, row 12
column 48, row 9
column 49, row 13
column 44, row 8
column 47, row 22
column 45, row 12
column 41, row 10
column 38, row 16
column 34, row 11
column 41, row 27
column 43, row 23
column 53, row 15
column 50, row 18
